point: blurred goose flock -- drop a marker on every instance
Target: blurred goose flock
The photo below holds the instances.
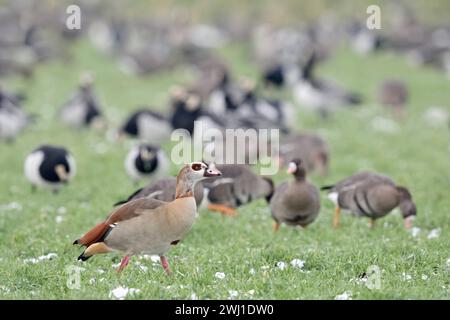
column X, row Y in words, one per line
column 88, row 115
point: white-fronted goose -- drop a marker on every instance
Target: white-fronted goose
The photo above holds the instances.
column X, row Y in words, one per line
column 147, row 225
column 296, row 202
column 164, row 190
column 393, row 94
column 50, row 167
column 237, row 186
column 145, row 161
column 83, row 108
column 309, row 147
column 373, row 195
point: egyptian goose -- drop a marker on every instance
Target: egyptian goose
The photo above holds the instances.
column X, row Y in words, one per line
column 163, row 189
column 370, row 194
column 309, row 147
column 393, row 94
column 50, row 167
column 237, row 186
column 319, row 94
column 145, row 161
column 297, row 202
column 148, row 126
column 147, row 225
column 83, row 108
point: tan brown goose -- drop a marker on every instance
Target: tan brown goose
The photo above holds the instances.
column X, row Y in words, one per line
column 237, row 186
column 164, row 190
column 147, row 225
column 373, row 195
column 296, row 202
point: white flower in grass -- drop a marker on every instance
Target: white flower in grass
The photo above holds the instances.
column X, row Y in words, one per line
column 252, row 271
column 232, row 294
column 434, row 234
column 92, row 281
column 220, row 275
column 406, row 277
column 61, row 210
column 49, row 256
column 251, row 292
column 424, row 277
column 59, row 219
column 194, row 296
column 265, row 268
column 121, row 292
column 100, row 271
column 142, row 267
column 281, row 265
column 115, row 265
column 297, row 263
column 415, row 231
column 448, row 262
column 347, row 295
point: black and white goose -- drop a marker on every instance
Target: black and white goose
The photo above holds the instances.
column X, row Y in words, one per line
column 318, row 94
column 148, row 126
column 49, row 167
column 146, row 161
column 83, row 108
column 266, row 113
column 13, row 118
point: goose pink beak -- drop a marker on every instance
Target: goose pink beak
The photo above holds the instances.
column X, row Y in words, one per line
column 209, row 172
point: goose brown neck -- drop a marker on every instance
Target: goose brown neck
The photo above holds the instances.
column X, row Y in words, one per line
column 184, row 187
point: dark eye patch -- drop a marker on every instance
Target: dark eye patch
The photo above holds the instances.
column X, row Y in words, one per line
column 196, row 166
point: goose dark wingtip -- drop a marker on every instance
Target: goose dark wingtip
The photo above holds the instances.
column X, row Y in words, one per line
column 326, row 187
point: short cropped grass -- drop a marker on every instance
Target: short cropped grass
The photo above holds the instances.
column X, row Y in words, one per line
column 245, row 248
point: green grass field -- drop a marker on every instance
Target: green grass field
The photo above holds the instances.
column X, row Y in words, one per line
column 244, row 248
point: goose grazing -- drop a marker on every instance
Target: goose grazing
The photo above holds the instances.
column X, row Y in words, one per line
column 318, row 94
column 148, row 126
column 296, row 202
column 372, row 195
column 312, row 149
column 147, row 225
column 13, row 118
column 146, row 161
column 393, row 94
column 49, row 167
column 163, row 189
column 237, row 186
column 83, row 108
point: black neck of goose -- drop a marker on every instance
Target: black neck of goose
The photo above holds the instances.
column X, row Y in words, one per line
column 300, row 174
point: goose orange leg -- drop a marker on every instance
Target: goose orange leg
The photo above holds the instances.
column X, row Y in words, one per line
column 123, row 263
column 224, row 210
column 165, row 265
column 276, row 226
column 337, row 214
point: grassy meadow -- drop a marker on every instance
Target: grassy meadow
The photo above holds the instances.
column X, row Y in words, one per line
column 245, row 249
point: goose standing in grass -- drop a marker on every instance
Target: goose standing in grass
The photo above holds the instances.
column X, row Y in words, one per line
column 237, row 186
column 319, row 94
column 147, row 125
column 83, row 108
column 147, row 225
column 49, row 167
column 372, row 195
column 393, row 94
column 13, row 118
column 297, row 202
column 146, row 161
column 163, row 189
column 312, row 149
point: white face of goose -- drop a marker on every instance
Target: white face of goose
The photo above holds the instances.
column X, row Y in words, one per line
column 200, row 171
